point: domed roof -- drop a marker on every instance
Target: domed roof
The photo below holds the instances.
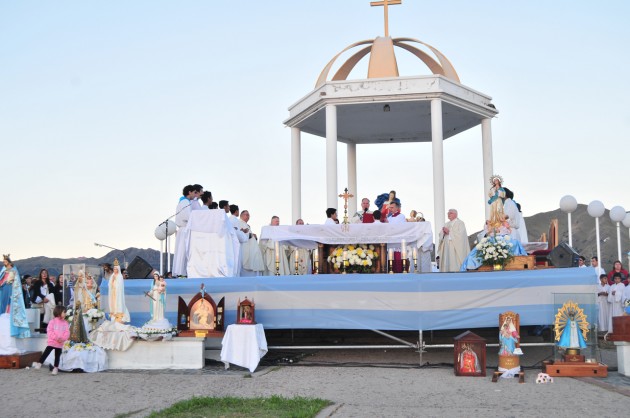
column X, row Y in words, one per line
column 383, row 59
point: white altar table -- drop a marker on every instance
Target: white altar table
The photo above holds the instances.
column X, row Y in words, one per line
column 244, row 345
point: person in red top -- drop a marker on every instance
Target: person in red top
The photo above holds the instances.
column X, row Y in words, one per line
column 58, row 332
column 618, row 268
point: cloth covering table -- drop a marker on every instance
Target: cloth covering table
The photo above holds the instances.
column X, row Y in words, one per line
column 417, row 234
column 244, row 345
column 89, row 360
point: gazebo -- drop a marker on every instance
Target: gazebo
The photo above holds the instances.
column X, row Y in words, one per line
column 386, row 108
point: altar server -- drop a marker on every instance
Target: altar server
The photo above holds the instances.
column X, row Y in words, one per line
column 453, row 246
column 615, row 297
column 181, row 219
column 603, row 290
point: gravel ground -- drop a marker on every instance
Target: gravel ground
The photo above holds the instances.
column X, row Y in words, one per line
column 360, row 383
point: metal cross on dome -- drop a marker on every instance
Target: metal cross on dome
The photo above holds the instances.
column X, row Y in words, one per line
column 386, row 4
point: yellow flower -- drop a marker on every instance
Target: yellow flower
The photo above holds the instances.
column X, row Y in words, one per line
column 351, row 247
column 370, row 253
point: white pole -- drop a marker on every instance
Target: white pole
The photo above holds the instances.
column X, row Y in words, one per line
column 161, row 257
column 599, row 255
column 296, row 174
column 570, row 233
column 168, row 253
column 618, row 242
column 486, row 150
column 352, row 177
column 331, row 156
column 437, row 140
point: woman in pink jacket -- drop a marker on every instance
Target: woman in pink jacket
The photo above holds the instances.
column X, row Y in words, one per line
column 58, row 331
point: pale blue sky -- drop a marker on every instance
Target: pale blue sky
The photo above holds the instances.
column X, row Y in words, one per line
column 108, row 109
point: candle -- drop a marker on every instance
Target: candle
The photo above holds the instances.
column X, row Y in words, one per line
column 415, row 253
column 315, row 254
column 404, row 249
column 391, row 254
column 297, row 258
column 277, row 248
column 345, row 255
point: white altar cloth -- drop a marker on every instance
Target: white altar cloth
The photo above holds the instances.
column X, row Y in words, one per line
column 210, row 251
column 89, row 360
column 419, row 234
column 244, row 345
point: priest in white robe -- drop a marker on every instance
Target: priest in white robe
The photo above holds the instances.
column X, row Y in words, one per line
column 269, row 249
column 242, row 236
column 182, row 214
column 453, row 246
column 253, row 264
column 357, row 218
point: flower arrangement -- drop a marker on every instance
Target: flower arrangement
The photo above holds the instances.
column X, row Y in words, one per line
column 69, row 314
column 71, row 345
column 94, row 314
column 359, row 258
column 495, row 250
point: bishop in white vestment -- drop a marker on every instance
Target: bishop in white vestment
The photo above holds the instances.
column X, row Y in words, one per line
column 453, row 247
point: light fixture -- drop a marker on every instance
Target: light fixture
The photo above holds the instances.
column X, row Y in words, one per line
column 596, row 209
column 117, row 249
column 386, row 108
column 568, row 204
column 617, row 215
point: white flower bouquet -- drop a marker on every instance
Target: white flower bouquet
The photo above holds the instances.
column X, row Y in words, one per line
column 495, row 250
column 358, row 258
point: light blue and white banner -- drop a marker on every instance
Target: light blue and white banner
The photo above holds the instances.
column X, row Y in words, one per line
column 377, row 301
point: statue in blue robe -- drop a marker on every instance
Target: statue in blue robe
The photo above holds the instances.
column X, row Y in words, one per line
column 571, row 336
column 12, row 299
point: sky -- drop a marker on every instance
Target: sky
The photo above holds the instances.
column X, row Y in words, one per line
column 107, row 109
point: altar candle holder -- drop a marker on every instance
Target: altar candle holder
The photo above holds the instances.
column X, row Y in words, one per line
column 315, row 261
column 345, row 258
column 277, row 267
column 391, row 266
column 405, row 265
column 297, row 262
column 415, row 260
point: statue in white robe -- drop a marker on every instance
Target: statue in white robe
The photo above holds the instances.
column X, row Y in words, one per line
column 117, row 308
column 453, row 247
column 513, row 218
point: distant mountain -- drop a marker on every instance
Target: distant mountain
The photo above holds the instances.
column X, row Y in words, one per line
column 583, row 231
column 54, row 266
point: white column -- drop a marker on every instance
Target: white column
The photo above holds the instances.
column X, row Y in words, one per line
column 352, row 178
column 296, row 174
column 437, row 139
column 161, row 257
column 331, row 156
column 486, row 147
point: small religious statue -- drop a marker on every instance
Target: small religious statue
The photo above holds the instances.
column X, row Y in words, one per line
column 245, row 312
column 117, row 308
column 571, row 328
column 469, row 363
column 157, row 294
column 497, row 196
column 509, row 350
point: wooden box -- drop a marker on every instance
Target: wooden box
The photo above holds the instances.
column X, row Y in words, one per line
column 469, row 355
column 519, row 262
column 566, row 369
column 621, row 329
column 19, row 361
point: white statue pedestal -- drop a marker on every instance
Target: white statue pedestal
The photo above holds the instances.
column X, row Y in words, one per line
column 623, row 357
